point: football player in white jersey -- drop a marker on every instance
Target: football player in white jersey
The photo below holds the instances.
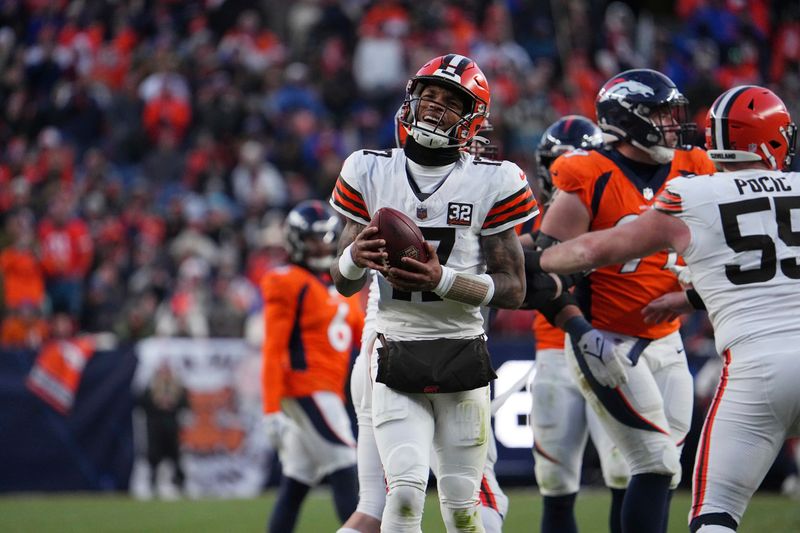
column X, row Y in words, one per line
column 431, row 392
column 738, row 233
column 372, row 485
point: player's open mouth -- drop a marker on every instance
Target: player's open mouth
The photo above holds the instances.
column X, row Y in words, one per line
column 435, row 121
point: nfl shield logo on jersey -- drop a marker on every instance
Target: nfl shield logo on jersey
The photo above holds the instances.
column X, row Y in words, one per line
column 647, row 192
column 422, row 212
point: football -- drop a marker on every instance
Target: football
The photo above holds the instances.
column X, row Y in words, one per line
column 403, row 237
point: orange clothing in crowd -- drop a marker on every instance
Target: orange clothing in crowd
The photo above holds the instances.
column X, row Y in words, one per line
column 66, row 250
column 23, row 278
column 166, row 112
column 19, row 332
column 310, row 332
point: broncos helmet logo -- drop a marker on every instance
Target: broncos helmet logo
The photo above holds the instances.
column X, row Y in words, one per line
column 627, row 88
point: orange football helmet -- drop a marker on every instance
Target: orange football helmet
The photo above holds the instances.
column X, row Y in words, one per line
column 750, row 123
column 455, row 72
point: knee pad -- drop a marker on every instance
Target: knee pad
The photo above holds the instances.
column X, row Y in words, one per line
column 406, row 466
column 713, row 523
column 616, row 473
column 371, row 501
column 457, row 492
column 555, row 479
column 666, row 460
column 671, row 459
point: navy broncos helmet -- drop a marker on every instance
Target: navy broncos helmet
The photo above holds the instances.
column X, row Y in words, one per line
column 645, row 108
column 572, row 132
column 312, row 230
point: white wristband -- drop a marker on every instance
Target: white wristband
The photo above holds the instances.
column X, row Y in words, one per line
column 347, row 267
column 445, row 282
column 489, row 293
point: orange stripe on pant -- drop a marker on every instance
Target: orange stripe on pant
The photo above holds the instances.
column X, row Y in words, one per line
column 701, row 464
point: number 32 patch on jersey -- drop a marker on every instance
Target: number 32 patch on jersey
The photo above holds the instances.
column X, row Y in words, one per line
column 459, row 214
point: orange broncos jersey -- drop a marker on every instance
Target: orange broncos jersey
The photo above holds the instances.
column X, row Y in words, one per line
column 310, row 330
column 612, row 297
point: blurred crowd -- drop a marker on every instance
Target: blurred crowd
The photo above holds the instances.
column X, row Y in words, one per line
column 149, row 150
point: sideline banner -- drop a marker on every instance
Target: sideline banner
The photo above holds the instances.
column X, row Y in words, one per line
column 87, row 449
column 223, row 449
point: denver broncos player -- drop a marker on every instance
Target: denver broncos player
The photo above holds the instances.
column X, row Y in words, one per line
column 642, row 115
column 429, row 313
column 735, row 230
column 310, row 329
column 560, row 418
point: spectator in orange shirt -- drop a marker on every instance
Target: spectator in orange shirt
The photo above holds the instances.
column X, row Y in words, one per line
column 166, row 111
column 24, row 328
column 20, row 269
column 67, row 253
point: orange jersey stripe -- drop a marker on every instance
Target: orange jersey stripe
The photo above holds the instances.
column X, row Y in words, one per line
column 701, row 465
column 506, row 203
column 348, row 206
column 519, row 212
column 349, row 199
column 487, row 496
column 350, row 192
column 669, row 202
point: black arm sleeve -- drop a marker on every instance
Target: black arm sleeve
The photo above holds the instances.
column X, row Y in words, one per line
column 553, row 307
column 695, row 299
column 540, row 285
column 544, row 241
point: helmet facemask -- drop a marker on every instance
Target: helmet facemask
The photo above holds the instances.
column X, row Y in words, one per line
column 465, row 83
column 323, row 261
column 436, row 133
column 483, row 147
column 312, row 242
column 645, row 108
column 669, row 129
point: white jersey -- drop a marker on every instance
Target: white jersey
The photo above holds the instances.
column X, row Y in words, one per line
column 744, row 252
column 478, row 198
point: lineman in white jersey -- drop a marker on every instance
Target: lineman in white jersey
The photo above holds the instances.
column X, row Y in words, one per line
column 738, row 233
column 431, row 393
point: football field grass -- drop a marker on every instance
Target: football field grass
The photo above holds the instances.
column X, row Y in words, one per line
column 88, row 513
